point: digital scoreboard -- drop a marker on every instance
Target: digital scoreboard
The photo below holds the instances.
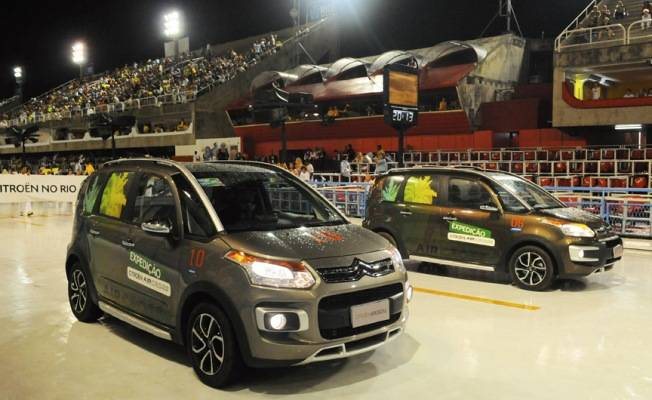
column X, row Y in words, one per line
column 401, row 96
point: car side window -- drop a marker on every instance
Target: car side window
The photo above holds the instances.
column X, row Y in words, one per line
column 92, row 193
column 114, row 195
column 468, row 193
column 421, row 189
column 509, row 202
column 387, row 189
column 196, row 221
column 154, row 201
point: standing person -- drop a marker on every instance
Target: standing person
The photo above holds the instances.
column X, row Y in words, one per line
column 646, row 19
column 304, row 175
column 196, row 157
column 310, row 168
column 345, row 169
column 381, row 163
column 596, row 92
column 620, row 12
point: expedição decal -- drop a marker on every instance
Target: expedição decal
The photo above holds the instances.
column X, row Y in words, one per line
column 146, row 273
column 460, row 232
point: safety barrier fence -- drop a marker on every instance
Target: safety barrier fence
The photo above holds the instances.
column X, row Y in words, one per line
column 613, row 34
column 629, row 212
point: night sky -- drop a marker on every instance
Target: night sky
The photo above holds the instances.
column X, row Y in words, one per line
column 38, row 34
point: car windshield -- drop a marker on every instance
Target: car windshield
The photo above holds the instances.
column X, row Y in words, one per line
column 256, row 199
column 535, row 196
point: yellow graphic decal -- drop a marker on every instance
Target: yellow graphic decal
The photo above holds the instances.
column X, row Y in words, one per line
column 418, row 190
column 114, row 197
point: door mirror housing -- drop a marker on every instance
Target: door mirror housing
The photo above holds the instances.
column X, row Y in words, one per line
column 156, row 228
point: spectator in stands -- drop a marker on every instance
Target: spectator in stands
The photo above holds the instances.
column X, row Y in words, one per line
column 646, row 6
column 381, row 163
column 646, row 19
column 593, row 19
column 304, row 175
column 605, row 14
column 310, row 168
column 629, row 94
column 345, row 169
column 182, row 126
column 620, row 12
column 596, row 92
column 443, row 104
column 222, row 152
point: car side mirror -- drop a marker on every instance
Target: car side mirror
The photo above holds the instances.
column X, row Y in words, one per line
column 156, row 228
column 490, row 208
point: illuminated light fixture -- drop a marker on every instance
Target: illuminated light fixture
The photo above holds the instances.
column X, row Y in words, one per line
column 18, row 72
column 172, row 24
column 278, row 322
column 629, row 127
column 79, row 53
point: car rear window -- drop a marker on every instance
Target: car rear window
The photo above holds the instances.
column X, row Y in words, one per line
column 114, row 195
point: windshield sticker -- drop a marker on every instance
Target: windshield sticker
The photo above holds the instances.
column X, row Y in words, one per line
column 91, row 195
column 419, row 191
column 517, row 224
column 459, row 232
column 390, row 192
column 114, row 197
column 146, row 273
column 210, row 182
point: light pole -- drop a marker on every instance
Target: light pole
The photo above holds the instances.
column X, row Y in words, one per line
column 173, row 28
column 18, row 76
column 79, row 56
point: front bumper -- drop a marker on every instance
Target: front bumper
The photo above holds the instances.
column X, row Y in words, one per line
column 328, row 333
column 583, row 257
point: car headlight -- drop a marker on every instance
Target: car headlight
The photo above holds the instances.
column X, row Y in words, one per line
column 273, row 273
column 397, row 259
column 576, row 230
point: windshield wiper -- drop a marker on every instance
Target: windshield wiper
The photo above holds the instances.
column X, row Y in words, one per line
column 324, row 223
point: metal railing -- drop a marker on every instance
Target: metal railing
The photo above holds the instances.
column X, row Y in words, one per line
column 581, row 16
column 581, row 37
column 639, row 31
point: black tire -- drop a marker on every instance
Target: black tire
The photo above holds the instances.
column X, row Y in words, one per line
column 79, row 295
column 209, row 336
column 532, row 268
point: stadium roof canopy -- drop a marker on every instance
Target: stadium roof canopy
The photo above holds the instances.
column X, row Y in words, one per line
column 346, row 68
column 267, row 78
column 309, row 73
column 450, row 53
column 388, row 58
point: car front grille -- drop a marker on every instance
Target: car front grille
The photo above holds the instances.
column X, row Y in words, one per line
column 356, row 271
column 335, row 311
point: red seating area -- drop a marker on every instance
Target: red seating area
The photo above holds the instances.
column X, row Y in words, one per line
column 590, row 167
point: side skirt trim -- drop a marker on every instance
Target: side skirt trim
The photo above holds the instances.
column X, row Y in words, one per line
column 134, row 321
column 453, row 263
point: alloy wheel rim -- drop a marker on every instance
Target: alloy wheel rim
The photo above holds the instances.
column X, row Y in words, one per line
column 207, row 343
column 79, row 291
column 530, row 268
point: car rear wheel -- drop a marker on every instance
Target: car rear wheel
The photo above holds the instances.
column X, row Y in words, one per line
column 211, row 346
column 81, row 304
column 531, row 268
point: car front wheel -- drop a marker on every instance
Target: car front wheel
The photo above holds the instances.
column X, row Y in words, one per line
column 531, row 268
column 211, row 346
column 81, row 304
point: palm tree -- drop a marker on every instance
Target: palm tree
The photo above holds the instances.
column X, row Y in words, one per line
column 19, row 136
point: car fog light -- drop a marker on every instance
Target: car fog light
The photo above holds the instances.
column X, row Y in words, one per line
column 581, row 253
column 278, row 322
column 409, row 292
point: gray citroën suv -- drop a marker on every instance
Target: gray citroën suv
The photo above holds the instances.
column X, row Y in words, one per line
column 241, row 262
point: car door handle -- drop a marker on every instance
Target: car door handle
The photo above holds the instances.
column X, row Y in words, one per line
column 128, row 243
column 94, row 232
column 406, row 212
column 449, row 218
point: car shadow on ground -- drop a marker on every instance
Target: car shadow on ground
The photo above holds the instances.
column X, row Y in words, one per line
column 310, row 378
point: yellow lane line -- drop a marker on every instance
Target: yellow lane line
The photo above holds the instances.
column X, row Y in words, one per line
column 461, row 296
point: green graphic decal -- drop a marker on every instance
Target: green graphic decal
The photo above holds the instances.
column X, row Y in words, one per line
column 391, row 191
column 114, row 197
column 459, row 232
column 419, row 191
column 465, row 229
column 91, row 195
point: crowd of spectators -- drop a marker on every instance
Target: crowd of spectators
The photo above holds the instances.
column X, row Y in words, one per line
column 165, row 76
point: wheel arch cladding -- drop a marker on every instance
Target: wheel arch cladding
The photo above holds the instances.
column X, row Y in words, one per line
column 397, row 239
column 536, row 243
column 206, row 292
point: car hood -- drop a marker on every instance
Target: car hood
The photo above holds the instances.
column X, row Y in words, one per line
column 308, row 243
column 575, row 215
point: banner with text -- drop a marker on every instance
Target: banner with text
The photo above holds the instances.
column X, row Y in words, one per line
column 22, row 188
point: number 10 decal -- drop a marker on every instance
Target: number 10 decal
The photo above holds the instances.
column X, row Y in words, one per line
column 197, row 257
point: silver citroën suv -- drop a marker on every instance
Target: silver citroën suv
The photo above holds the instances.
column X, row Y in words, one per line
column 240, row 262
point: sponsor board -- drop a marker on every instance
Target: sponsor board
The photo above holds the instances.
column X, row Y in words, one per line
column 459, row 232
column 149, row 281
column 22, row 188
